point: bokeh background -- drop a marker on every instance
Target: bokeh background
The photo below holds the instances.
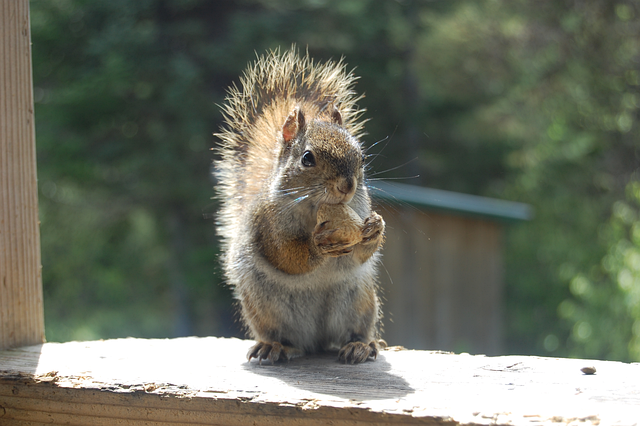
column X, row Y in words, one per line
column 534, row 102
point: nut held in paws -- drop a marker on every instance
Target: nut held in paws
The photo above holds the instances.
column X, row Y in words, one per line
column 344, row 219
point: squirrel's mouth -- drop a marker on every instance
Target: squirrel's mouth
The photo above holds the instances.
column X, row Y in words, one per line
column 340, row 190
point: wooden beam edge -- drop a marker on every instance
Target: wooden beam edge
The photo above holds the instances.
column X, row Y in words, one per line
column 32, row 398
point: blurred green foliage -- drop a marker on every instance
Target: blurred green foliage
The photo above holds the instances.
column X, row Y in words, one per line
column 530, row 101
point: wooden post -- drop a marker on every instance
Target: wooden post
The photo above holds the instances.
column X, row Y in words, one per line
column 21, row 310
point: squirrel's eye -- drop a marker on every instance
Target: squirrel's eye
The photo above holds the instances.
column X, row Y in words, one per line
column 308, row 160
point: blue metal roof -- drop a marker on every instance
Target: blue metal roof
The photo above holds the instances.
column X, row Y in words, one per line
column 456, row 202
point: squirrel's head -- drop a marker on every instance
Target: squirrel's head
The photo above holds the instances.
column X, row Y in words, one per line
column 321, row 157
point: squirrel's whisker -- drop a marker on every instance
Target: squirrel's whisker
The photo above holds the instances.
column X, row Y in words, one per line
column 386, row 138
column 394, row 168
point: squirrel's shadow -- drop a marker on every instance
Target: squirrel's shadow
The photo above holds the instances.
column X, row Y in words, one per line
column 322, row 373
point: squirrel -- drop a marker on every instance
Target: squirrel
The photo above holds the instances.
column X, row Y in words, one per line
column 289, row 144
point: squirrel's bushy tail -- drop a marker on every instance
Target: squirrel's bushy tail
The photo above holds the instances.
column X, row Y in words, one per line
column 286, row 78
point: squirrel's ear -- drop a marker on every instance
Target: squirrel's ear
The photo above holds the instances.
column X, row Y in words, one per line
column 293, row 124
column 336, row 117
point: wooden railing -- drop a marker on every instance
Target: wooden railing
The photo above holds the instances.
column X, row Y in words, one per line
column 208, row 381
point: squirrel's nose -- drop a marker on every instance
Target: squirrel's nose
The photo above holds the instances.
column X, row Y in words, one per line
column 346, row 185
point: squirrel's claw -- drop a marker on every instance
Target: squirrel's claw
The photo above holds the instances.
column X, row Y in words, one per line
column 273, row 352
column 373, row 227
column 357, row 352
column 327, row 245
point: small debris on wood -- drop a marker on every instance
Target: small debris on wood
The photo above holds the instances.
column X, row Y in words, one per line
column 588, row 370
column 150, row 387
column 395, row 348
column 51, row 376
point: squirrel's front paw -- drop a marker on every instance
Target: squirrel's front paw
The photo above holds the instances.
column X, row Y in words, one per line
column 274, row 352
column 332, row 242
column 357, row 352
column 373, row 228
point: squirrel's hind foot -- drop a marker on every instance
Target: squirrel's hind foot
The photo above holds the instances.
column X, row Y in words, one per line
column 357, row 352
column 274, row 352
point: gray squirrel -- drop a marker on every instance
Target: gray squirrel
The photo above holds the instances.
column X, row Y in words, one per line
column 290, row 144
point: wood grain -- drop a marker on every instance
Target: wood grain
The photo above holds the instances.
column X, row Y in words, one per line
column 209, row 381
column 21, row 311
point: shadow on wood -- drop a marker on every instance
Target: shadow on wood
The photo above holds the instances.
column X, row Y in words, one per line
column 321, row 373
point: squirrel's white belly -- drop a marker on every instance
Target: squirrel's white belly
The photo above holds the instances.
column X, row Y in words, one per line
column 318, row 310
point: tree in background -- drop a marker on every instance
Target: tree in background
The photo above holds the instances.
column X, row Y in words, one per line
column 556, row 84
column 531, row 101
column 125, row 104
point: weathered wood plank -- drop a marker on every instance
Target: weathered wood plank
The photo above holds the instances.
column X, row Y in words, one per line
column 208, row 381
